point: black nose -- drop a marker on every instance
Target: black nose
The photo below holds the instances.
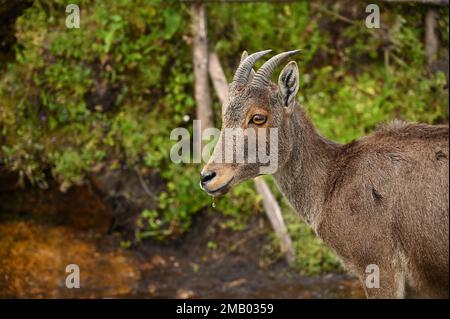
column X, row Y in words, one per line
column 206, row 177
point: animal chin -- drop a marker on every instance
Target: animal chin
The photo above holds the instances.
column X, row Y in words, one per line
column 222, row 190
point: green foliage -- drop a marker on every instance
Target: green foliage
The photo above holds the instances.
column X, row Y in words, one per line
column 177, row 205
column 75, row 95
column 346, row 108
column 313, row 257
column 112, row 91
column 183, row 198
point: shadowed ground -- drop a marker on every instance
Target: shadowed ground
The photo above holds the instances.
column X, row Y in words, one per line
column 33, row 257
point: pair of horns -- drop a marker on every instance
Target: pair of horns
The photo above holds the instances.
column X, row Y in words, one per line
column 263, row 75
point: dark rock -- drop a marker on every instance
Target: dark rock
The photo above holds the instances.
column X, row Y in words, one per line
column 128, row 192
column 108, row 200
column 80, row 207
column 9, row 12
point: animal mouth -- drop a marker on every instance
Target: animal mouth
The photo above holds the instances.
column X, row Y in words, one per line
column 220, row 190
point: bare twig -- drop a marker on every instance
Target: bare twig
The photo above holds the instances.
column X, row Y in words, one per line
column 334, row 14
column 431, row 2
column 431, row 38
column 202, row 95
column 144, row 185
column 218, row 77
column 273, row 212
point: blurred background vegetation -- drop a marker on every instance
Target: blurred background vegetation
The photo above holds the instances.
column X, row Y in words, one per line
column 106, row 96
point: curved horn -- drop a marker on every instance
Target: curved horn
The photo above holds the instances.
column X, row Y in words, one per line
column 262, row 76
column 252, row 72
column 243, row 71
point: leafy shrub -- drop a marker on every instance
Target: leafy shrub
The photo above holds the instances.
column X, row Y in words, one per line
column 111, row 91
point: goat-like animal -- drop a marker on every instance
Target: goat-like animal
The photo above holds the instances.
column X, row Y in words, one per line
column 381, row 200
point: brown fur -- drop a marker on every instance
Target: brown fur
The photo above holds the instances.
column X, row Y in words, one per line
column 383, row 199
column 386, row 203
column 380, row 200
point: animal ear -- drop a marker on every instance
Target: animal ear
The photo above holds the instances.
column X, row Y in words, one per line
column 288, row 83
column 252, row 72
column 243, row 56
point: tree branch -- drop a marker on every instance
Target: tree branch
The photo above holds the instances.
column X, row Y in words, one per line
column 431, row 38
column 202, row 95
column 431, row 2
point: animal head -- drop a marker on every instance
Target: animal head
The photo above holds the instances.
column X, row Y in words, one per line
column 254, row 117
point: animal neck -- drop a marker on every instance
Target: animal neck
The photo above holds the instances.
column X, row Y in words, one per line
column 303, row 176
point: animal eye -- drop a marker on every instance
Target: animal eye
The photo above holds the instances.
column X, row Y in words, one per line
column 259, row 119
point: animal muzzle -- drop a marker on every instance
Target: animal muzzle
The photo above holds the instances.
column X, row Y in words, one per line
column 216, row 181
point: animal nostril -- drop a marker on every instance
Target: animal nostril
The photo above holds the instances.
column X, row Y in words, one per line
column 206, row 177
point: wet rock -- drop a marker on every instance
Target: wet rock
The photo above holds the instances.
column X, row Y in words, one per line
column 128, row 192
column 33, row 260
column 80, row 207
column 108, row 200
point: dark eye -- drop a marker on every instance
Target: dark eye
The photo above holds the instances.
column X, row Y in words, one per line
column 259, row 119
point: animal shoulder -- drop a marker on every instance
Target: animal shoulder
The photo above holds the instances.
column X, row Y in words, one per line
column 403, row 130
column 394, row 146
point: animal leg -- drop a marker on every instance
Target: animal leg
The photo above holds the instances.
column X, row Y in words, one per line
column 390, row 283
